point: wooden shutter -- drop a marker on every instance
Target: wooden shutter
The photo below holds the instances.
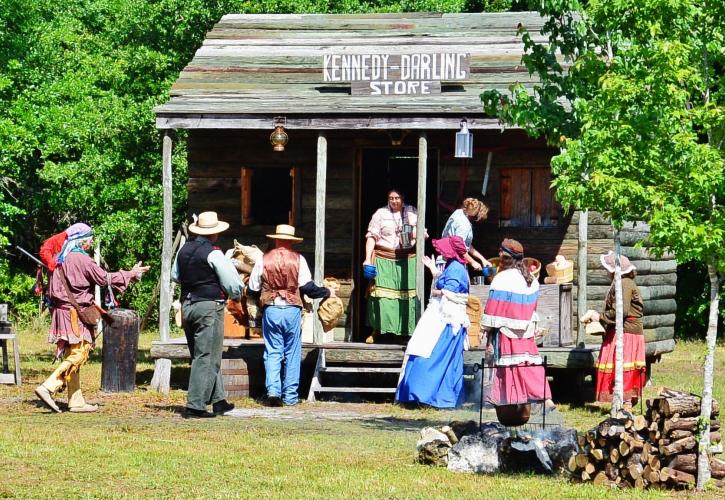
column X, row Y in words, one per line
column 246, row 176
column 545, row 210
column 515, row 197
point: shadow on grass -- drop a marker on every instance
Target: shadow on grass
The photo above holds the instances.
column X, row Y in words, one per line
column 171, row 408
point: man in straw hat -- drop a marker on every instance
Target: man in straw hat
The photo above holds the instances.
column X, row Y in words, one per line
column 281, row 277
column 71, row 290
column 207, row 279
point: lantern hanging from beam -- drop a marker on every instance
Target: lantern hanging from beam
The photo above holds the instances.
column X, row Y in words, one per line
column 279, row 137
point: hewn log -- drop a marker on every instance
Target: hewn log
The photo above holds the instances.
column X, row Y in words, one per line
column 685, row 405
column 581, row 460
column 639, row 422
column 571, row 464
column 598, row 454
column 611, row 427
column 635, row 471
column 679, row 446
column 686, row 424
column 611, row 471
column 676, row 477
column 676, row 435
column 601, row 478
column 590, row 468
column 688, row 463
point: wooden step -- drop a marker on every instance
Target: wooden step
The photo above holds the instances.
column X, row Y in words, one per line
column 358, row 369
column 390, row 390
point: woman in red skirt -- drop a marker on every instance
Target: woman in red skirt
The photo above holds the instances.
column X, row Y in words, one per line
column 634, row 350
column 511, row 320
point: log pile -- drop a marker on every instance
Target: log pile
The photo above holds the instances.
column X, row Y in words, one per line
column 657, row 449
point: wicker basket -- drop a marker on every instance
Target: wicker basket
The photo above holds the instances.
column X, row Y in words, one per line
column 563, row 274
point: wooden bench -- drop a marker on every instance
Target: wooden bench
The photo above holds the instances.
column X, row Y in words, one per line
column 7, row 336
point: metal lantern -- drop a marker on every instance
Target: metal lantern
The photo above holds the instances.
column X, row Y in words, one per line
column 279, row 137
column 464, row 141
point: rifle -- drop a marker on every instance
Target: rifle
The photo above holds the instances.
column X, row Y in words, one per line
column 31, row 256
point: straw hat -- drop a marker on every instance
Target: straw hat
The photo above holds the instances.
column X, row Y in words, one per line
column 208, row 223
column 608, row 263
column 284, row 232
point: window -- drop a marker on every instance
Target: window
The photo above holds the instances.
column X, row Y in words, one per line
column 527, row 199
column 270, row 196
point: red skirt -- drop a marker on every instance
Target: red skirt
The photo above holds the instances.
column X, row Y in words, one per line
column 522, row 379
column 634, row 366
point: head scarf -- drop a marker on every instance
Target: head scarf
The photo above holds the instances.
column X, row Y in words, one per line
column 452, row 247
column 513, row 248
column 77, row 234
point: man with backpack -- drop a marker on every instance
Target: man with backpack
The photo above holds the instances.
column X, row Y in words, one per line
column 74, row 314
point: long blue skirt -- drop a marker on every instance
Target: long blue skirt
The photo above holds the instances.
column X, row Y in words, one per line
column 436, row 381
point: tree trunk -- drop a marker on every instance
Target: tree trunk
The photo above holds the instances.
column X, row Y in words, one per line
column 618, row 393
column 703, row 461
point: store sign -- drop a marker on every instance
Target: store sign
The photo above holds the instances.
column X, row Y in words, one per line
column 396, row 74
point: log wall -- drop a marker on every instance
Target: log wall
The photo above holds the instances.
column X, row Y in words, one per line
column 215, row 158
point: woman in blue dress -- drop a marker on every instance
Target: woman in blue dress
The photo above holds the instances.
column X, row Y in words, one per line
column 433, row 366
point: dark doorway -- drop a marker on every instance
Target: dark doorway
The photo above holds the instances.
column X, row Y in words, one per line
column 379, row 171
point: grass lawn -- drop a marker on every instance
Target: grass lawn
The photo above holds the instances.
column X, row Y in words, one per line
column 138, row 445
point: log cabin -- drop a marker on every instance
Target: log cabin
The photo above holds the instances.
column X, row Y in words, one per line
column 370, row 102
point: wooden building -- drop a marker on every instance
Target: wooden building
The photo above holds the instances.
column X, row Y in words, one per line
column 318, row 76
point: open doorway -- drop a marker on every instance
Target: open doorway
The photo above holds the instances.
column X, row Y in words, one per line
column 380, row 170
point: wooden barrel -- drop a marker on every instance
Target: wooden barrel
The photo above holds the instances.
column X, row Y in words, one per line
column 120, row 345
column 236, row 378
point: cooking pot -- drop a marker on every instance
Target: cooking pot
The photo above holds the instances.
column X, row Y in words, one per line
column 513, row 415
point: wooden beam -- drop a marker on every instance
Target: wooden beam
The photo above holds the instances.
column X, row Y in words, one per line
column 581, row 305
column 420, row 226
column 331, row 122
column 321, row 189
column 165, row 296
column 161, row 380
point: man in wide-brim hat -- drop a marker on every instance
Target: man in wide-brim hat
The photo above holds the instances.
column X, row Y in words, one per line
column 280, row 278
column 207, row 280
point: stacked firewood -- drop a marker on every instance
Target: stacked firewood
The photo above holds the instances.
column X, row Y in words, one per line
column 657, row 449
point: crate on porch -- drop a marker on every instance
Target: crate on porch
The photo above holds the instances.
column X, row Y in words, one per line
column 232, row 329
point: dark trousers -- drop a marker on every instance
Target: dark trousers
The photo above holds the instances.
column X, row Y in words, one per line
column 204, row 330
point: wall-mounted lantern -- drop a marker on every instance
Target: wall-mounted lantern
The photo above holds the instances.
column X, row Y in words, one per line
column 464, row 141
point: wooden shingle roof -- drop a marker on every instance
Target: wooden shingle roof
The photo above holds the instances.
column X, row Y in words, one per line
column 254, row 67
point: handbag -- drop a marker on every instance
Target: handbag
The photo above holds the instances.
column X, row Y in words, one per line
column 89, row 315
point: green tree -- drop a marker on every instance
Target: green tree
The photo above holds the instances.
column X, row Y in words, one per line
column 649, row 144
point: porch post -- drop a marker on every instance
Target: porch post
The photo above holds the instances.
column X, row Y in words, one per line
column 320, row 189
column 420, row 226
column 162, row 370
column 165, row 298
column 581, row 278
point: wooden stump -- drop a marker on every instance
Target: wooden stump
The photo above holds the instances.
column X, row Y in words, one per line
column 120, row 345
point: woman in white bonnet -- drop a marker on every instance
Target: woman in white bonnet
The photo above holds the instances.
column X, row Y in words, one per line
column 634, row 349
